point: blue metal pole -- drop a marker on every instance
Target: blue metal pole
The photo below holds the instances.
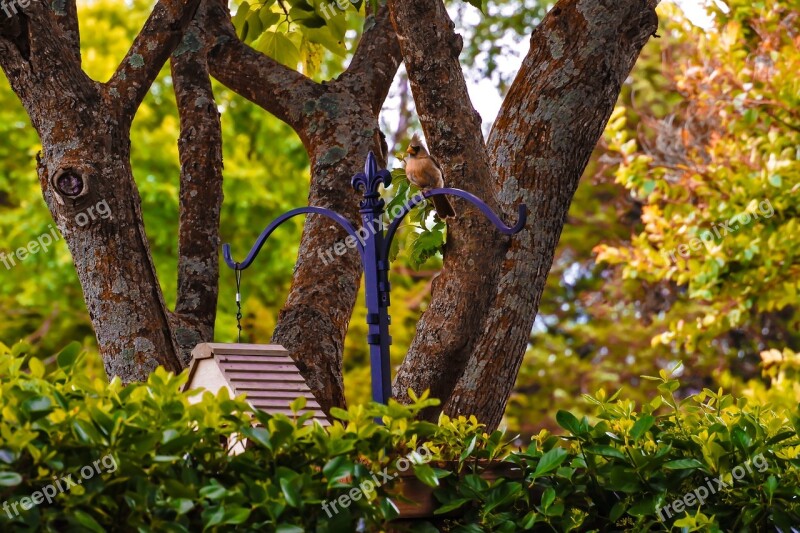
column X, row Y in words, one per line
column 376, row 276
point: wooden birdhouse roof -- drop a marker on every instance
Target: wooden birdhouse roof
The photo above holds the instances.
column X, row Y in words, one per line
column 265, row 373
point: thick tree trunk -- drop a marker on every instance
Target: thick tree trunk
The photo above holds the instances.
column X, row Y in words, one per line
column 472, row 339
column 450, row 326
column 550, row 122
column 85, row 173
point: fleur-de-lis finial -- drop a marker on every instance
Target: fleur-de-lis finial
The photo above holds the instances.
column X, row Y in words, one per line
column 368, row 182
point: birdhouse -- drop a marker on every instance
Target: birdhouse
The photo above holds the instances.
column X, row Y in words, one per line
column 264, row 372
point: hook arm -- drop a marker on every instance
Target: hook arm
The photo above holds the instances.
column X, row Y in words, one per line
column 477, row 202
column 226, row 248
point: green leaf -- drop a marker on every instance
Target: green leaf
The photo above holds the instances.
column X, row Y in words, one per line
column 548, row 497
column 643, row 508
column 87, row 521
column 452, row 506
column 468, row 450
column 236, row 515
column 215, row 491
column 325, row 38
column 682, row 464
column 427, row 244
column 259, row 435
column 568, row 421
column 268, row 18
column 291, row 491
column 617, row 511
column 67, row 356
column 279, row 47
column 299, row 404
column 426, row 474
column 254, row 27
column 337, row 468
column 607, row 451
column 239, row 19
column 341, row 414
column 36, row 367
column 641, row 426
column 37, row 404
column 550, row 461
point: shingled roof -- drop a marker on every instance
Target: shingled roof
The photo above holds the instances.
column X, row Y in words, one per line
column 264, row 372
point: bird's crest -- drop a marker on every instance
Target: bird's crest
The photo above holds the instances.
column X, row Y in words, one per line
column 415, row 140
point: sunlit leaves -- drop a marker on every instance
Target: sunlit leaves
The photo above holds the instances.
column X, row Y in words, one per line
column 288, row 31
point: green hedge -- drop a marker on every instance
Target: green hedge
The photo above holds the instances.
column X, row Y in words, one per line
column 154, row 462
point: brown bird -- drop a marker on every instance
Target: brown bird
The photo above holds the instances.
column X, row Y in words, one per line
column 424, row 172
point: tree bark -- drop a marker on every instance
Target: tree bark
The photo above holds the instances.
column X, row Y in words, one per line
column 450, row 326
column 548, row 126
column 471, row 341
column 338, row 124
column 85, row 173
column 200, row 149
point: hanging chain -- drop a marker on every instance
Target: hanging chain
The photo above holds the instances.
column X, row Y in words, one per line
column 239, row 306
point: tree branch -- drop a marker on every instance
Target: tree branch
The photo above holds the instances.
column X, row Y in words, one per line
column 67, row 19
column 547, row 128
column 451, row 325
column 200, row 149
column 375, row 61
column 31, row 44
column 150, row 50
column 259, row 78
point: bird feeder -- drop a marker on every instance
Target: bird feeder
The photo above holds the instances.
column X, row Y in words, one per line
column 263, row 372
column 373, row 245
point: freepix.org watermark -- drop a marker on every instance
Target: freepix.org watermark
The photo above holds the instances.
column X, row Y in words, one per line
column 351, row 242
column 10, row 8
column 43, row 242
column 699, row 495
column 720, row 230
column 60, row 485
column 367, row 487
column 329, row 8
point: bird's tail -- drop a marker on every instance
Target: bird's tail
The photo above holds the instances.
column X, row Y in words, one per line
column 443, row 207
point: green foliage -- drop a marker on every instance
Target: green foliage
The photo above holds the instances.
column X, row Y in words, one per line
column 298, row 32
column 423, row 234
column 172, row 473
column 728, row 175
column 704, row 124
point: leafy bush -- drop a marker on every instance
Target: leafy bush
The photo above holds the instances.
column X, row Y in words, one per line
column 172, row 472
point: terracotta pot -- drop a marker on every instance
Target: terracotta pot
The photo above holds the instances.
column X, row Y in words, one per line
column 415, row 499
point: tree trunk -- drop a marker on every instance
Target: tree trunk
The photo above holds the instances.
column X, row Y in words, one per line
column 86, row 179
column 200, row 149
column 550, row 122
column 450, row 326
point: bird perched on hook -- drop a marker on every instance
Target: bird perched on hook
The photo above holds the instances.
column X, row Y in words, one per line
column 426, row 173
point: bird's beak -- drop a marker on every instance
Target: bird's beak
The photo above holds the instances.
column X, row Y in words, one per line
column 409, row 150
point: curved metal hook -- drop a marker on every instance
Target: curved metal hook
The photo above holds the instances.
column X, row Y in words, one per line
column 477, row 202
column 226, row 249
